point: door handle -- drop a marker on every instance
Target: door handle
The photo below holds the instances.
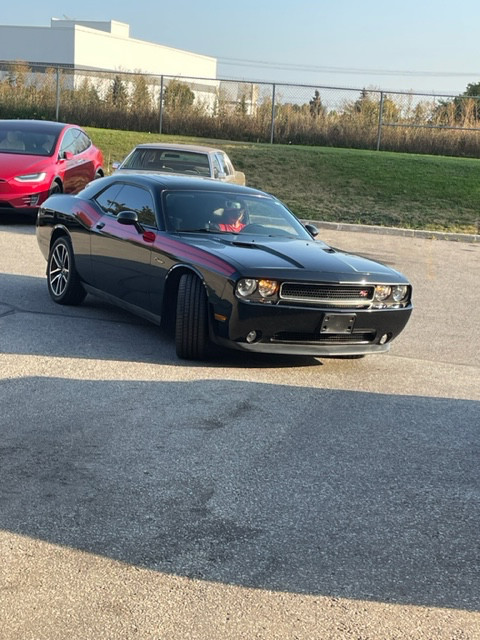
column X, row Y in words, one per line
column 100, row 225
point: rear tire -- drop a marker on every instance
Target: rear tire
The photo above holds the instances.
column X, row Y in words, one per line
column 64, row 284
column 191, row 327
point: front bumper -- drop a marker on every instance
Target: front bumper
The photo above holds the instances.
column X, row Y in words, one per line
column 25, row 197
column 286, row 329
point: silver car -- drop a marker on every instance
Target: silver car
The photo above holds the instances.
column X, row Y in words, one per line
column 181, row 159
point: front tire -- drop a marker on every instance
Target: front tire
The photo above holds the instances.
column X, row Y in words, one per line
column 63, row 281
column 191, row 327
column 55, row 188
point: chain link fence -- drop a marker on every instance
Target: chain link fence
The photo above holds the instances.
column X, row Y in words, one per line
column 243, row 111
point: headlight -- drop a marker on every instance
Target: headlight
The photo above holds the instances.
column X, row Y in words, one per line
column 246, row 287
column 399, row 292
column 267, row 288
column 31, row 177
column 382, row 291
column 257, row 290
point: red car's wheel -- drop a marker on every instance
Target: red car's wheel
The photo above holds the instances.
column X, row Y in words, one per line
column 55, row 188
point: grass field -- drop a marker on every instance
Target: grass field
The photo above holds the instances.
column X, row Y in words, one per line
column 344, row 185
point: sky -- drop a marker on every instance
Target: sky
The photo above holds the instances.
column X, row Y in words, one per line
column 423, row 46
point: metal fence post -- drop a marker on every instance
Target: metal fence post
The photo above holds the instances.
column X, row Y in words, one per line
column 380, row 121
column 272, row 128
column 57, row 102
column 161, row 105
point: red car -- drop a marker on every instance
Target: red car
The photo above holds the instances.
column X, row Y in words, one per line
column 39, row 158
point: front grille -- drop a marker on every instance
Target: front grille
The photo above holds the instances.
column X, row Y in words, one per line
column 337, row 338
column 343, row 296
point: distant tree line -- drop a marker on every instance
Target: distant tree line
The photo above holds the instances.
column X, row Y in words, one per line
column 138, row 102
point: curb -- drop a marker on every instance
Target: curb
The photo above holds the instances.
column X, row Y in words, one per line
column 394, row 231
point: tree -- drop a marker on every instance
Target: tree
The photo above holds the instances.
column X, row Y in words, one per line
column 469, row 107
column 220, row 105
column 141, row 100
column 178, row 96
column 465, row 108
column 17, row 74
column 86, row 94
column 367, row 108
column 364, row 108
column 472, row 90
column 316, row 107
column 117, row 94
column 391, row 112
column 241, row 107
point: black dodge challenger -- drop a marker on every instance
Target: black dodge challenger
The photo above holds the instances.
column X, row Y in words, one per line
column 219, row 263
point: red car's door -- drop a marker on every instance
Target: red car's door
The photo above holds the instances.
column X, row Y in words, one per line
column 76, row 161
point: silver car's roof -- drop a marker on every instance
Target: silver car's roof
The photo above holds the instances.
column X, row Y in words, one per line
column 178, row 147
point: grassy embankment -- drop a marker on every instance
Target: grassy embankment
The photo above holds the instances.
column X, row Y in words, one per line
column 345, row 185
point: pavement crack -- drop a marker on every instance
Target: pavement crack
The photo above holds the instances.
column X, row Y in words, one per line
column 12, row 310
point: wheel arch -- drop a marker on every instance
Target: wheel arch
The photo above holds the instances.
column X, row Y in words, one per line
column 57, row 180
column 58, row 232
column 170, row 292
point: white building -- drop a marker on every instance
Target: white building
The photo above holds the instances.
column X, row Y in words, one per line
column 106, row 46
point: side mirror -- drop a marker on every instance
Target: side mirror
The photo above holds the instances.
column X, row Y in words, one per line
column 66, row 155
column 130, row 218
column 219, row 175
column 116, row 165
column 312, row 229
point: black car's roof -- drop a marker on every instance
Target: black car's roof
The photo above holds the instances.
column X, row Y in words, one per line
column 35, row 125
column 170, row 181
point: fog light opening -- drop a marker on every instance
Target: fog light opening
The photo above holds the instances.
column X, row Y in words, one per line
column 385, row 338
column 252, row 336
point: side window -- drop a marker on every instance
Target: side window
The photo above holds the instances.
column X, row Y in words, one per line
column 136, row 199
column 82, row 142
column 217, row 167
column 137, row 159
column 68, row 142
column 229, row 164
column 223, row 164
column 108, row 201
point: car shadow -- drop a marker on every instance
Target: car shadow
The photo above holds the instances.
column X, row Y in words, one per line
column 103, row 331
column 298, row 489
column 17, row 222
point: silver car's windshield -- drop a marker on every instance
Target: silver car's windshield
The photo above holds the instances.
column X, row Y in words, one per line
column 166, row 161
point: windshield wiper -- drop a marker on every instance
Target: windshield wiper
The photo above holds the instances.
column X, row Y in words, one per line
column 198, row 231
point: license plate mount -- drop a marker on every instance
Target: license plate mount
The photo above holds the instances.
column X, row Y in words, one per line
column 338, row 323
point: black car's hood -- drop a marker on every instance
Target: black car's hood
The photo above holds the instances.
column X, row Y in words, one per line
column 307, row 258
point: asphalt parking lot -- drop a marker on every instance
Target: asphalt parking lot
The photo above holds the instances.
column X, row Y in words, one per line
column 245, row 497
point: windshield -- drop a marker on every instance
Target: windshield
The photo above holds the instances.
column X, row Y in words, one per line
column 15, row 137
column 164, row 160
column 223, row 212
